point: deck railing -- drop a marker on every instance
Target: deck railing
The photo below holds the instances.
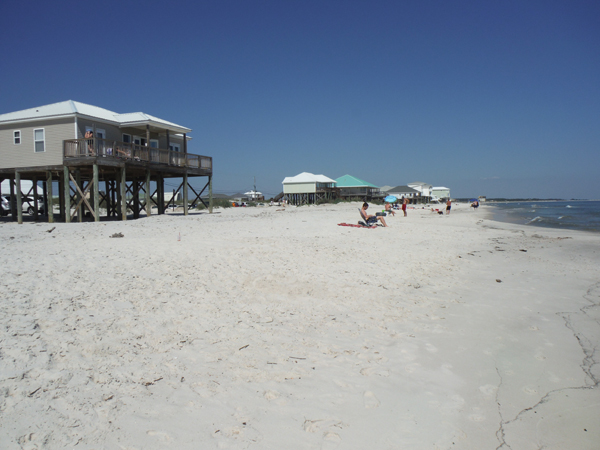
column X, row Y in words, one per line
column 81, row 148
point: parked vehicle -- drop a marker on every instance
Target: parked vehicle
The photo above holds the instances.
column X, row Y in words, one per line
column 27, row 202
column 4, row 206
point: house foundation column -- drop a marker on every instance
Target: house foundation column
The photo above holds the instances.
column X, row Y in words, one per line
column 66, row 194
column 185, row 194
column 78, row 195
column 50, row 201
column 19, row 198
column 96, row 194
column 148, row 201
column 13, row 201
column 123, row 191
column 35, row 199
column 210, row 196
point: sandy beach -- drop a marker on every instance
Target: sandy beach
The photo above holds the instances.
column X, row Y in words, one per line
column 272, row 328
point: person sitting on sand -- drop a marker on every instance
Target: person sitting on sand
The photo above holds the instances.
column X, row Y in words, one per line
column 370, row 219
column 388, row 209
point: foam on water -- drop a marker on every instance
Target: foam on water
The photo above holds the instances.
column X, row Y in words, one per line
column 583, row 215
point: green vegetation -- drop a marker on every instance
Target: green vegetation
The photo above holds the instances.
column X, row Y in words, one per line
column 217, row 203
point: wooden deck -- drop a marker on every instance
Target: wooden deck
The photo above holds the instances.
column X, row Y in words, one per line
column 127, row 171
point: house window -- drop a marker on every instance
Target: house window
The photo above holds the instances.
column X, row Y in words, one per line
column 17, row 136
column 127, row 138
column 154, row 143
column 139, row 140
column 175, row 147
column 39, row 141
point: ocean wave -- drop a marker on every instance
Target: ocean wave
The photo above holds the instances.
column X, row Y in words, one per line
column 535, row 219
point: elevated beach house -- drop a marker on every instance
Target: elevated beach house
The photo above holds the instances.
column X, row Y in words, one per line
column 440, row 192
column 401, row 192
column 353, row 187
column 306, row 188
column 424, row 190
column 80, row 147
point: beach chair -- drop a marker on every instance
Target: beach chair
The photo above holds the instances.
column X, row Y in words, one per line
column 364, row 222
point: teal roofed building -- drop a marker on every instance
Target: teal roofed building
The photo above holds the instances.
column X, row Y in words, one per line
column 350, row 186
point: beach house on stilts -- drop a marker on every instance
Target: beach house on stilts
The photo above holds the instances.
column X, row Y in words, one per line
column 81, row 148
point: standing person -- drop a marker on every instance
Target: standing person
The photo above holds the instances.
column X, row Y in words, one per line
column 90, row 143
column 448, row 206
column 404, row 203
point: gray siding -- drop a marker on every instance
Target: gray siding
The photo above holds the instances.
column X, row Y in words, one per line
column 113, row 132
column 24, row 155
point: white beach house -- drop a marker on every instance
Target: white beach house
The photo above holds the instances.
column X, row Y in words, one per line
column 306, row 188
column 440, row 192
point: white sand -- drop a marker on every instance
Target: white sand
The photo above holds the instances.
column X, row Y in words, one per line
column 275, row 329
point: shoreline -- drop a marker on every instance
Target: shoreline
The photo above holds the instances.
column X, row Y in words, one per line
column 273, row 329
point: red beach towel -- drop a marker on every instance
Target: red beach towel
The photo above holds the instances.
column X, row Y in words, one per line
column 355, row 226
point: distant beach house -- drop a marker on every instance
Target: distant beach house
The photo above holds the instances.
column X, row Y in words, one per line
column 385, row 189
column 254, row 196
column 423, row 188
column 440, row 192
column 306, row 188
column 403, row 192
column 351, row 186
column 81, row 146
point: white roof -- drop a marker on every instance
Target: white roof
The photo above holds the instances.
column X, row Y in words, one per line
column 418, row 183
column 71, row 108
column 253, row 193
column 306, row 177
column 439, row 188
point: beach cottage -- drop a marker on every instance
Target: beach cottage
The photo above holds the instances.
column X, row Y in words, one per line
column 424, row 190
column 440, row 192
column 353, row 187
column 306, row 188
column 403, row 192
column 80, row 146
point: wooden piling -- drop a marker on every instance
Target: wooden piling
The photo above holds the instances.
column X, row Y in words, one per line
column 185, row 194
column 49, row 194
column 123, row 195
column 148, row 201
column 96, row 194
column 19, row 198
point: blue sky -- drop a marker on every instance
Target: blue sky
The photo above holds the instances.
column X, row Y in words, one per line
column 487, row 98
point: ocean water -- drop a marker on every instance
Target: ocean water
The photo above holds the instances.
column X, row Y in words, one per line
column 573, row 215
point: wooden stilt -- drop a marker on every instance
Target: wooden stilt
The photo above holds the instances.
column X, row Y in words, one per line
column 50, row 198
column 160, row 194
column 67, row 195
column 35, row 199
column 78, row 195
column 210, row 196
column 185, row 194
column 148, row 202
column 19, row 198
column 136, row 199
column 123, row 196
column 13, row 202
column 96, row 194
